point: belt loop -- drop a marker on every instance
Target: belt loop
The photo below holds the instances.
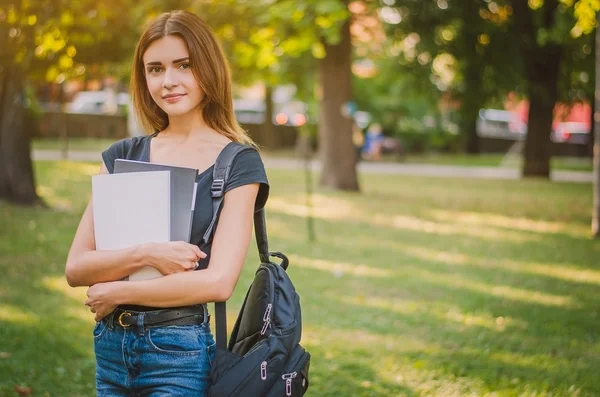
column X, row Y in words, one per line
column 111, row 320
column 140, row 323
column 205, row 313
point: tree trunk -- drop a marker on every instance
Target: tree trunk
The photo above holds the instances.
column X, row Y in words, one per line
column 268, row 128
column 541, row 71
column 596, row 130
column 472, row 95
column 593, row 82
column 542, row 97
column 16, row 172
column 336, row 149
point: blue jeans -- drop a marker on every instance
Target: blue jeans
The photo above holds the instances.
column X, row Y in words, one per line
column 153, row 361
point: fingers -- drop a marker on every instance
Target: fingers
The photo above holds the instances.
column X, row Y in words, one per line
column 198, row 252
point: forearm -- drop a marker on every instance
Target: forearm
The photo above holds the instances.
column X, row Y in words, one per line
column 179, row 289
column 92, row 267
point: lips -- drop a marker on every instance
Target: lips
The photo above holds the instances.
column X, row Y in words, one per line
column 173, row 96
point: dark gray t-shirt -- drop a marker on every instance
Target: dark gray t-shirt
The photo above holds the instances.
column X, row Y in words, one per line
column 248, row 168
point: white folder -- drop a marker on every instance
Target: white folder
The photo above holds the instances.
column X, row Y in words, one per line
column 131, row 209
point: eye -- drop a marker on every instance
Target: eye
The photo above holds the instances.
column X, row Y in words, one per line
column 184, row 66
column 154, row 69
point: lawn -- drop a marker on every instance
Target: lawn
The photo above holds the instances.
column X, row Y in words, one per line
column 416, row 287
column 497, row 160
column 77, row 144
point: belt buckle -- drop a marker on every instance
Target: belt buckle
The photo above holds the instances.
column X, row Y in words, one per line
column 120, row 319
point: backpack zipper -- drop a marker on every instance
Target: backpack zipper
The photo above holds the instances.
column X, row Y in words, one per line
column 288, row 382
column 263, row 370
column 266, row 319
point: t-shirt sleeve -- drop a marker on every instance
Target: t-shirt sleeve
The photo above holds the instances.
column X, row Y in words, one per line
column 248, row 168
column 117, row 150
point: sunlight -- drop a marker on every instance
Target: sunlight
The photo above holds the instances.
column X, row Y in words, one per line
column 318, row 336
column 59, row 284
column 69, row 169
column 405, row 307
column 421, row 225
column 438, row 310
column 335, row 209
column 281, row 229
column 322, row 207
column 54, row 200
column 339, row 269
column 400, row 359
column 14, row 314
column 501, row 291
column 488, row 219
column 558, row 271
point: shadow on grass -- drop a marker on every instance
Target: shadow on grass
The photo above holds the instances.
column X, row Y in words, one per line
column 45, row 340
column 508, row 327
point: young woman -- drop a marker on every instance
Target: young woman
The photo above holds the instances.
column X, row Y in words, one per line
column 153, row 337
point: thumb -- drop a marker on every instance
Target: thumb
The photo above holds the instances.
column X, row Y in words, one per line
column 198, row 252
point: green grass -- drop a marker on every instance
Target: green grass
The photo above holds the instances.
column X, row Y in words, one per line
column 416, row 287
column 78, row 144
column 495, row 160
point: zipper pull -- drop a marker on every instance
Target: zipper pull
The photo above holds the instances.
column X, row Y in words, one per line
column 265, row 326
column 289, row 376
column 288, row 382
column 267, row 312
column 263, row 370
column 266, row 319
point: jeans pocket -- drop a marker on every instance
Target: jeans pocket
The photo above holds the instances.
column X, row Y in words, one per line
column 179, row 340
column 99, row 329
column 210, row 351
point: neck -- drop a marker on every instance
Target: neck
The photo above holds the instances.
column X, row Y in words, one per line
column 186, row 124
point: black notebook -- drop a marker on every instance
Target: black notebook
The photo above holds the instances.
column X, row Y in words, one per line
column 183, row 193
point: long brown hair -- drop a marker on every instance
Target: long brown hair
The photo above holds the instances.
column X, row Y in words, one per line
column 210, row 68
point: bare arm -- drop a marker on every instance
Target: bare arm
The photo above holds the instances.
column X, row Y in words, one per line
column 214, row 284
column 86, row 266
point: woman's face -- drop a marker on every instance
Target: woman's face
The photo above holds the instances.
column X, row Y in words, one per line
column 169, row 76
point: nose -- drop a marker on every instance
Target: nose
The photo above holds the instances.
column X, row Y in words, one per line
column 170, row 80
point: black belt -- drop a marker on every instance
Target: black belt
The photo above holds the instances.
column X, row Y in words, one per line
column 179, row 316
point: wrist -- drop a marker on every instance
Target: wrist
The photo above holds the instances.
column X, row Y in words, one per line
column 118, row 295
column 142, row 257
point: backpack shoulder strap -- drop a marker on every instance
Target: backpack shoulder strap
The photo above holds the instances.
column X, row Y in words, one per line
column 221, row 172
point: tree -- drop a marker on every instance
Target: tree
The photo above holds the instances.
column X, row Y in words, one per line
column 463, row 49
column 16, row 173
column 545, row 29
column 43, row 40
column 276, row 43
column 596, row 208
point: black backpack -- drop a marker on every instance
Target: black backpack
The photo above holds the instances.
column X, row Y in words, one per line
column 263, row 357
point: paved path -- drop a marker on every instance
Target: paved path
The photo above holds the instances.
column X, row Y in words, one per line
column 449, row 171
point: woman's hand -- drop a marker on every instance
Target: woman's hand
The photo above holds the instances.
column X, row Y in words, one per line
column 173, row 256
column 101, row 298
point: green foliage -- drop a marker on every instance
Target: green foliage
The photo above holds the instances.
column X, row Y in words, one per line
column 55, row 40
column 585, row 13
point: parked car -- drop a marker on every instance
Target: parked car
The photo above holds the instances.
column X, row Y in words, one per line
column 571, row 132
column 496, row 123
column 249, row 111
column 293, row 113
column 99, row 102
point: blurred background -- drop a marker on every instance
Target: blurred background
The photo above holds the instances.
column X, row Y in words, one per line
column 432, row 172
